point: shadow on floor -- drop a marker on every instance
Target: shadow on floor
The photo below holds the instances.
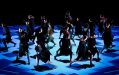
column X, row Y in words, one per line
column 44, row 67
column 20, row 62
column 79, row 67
column 15, row 52
column 64, row 61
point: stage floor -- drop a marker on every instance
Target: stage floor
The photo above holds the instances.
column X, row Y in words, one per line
column 108, row 65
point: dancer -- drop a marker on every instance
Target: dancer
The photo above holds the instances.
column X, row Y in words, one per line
column 71, row 30
column 91, row 26
column 50, row 35
column 30, row 28
column 68, row 17
column 78, row 27
column 45, row 28
column 107, row 37
column 101, row 27
column 42, row 53
column 82, row 51
column 65, row 45
column 23, row 45
column 91, row 43
column 8, row 36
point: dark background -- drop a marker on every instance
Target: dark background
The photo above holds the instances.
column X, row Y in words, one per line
column 15, row 12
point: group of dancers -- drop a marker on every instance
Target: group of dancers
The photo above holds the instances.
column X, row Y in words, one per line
column 43, row 34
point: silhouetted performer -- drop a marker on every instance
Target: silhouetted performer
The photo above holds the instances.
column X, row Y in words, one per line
column 30, row 28
column 86, row 29
column 8, row 36
column 71, row 30
column 23, row 45
column 91, row 26
column 101, row 26
column 39, row 35
column 82, row 51
column 68, row 17
column 45, row 28
column 91, row 43
column 65, row 45
column 42, row 53
column 78, row 27
column 107, row 37
column 42, row 20
column 50, row 35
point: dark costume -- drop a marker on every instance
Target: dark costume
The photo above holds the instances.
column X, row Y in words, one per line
column 39, row 35
column 107, row 37
column 23, row 46
column 68, row 17
column 85, row 29
column 102, row 22
column 8, row 36
column 23, row 43
column 78, row 27
column 42, row 20
column 91, row 26
column 92, row 45
column 101, row 28
column 45, row 27
column 82, row 51
column 42, row 53
column 30, row 28
column 65, row 45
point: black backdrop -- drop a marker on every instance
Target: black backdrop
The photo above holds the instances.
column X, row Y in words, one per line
column 15, row 12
